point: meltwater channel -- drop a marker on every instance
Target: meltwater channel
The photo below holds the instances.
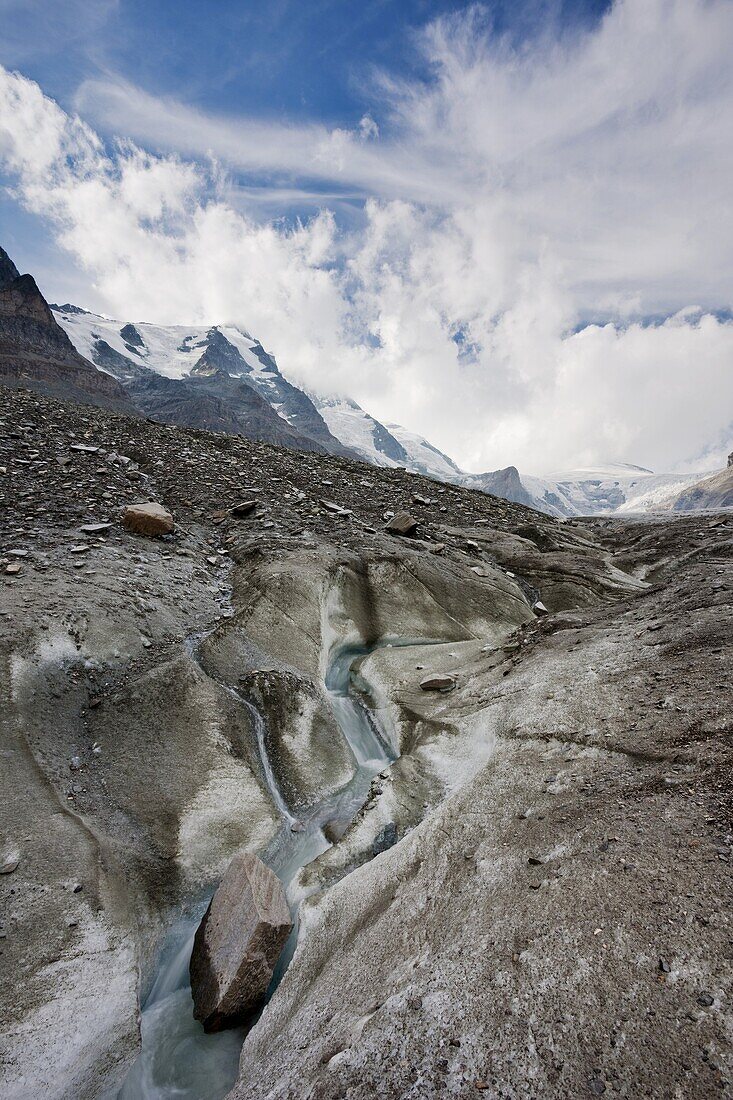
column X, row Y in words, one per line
column 177, row 1058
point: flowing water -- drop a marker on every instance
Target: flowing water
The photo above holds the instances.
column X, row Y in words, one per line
column 177, row 1058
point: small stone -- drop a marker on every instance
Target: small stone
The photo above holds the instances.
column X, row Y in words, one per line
column 597, row 1086
column 385, row 838
column 705, row 999
column 402, row 524
column 330, row 506
column 243, row 508
column 539, row 609
column 664, row 966
column 533, row 861
column 438, row 682
column 95, row 528
column 14, row 568
column 8, row 866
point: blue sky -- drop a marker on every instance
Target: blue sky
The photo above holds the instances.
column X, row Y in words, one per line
column 289, row 60
column 464, row 216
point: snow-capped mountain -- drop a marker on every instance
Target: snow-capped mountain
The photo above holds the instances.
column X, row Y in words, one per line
column 384, row 445
column 217, row 377
column 596, row 490
column 423, row 457
column 222, row 378
column 360, row 431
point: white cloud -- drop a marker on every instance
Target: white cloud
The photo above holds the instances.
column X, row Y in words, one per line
column 513, row 196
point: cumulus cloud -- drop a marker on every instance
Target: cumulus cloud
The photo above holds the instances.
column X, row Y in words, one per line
column 525, row 214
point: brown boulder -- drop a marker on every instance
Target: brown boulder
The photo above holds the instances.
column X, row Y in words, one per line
column 238, row 944
column 402, row 524
column 147, row 519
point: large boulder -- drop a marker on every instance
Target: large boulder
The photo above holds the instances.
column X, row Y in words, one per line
column 147, row 519
column 238, row 944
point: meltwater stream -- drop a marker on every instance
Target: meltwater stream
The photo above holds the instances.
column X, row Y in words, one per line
column 177, row 1059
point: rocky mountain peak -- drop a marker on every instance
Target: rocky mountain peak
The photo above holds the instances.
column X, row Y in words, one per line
column 36, row 352
column 21, row 297
column 506, row 483
column 220, row 357
column 131, row 336
column 67, row 307
column 8, row 270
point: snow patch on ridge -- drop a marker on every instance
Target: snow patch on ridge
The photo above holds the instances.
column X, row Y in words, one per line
column 171, row 350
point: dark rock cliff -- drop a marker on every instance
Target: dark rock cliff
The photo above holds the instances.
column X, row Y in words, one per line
column 36, row 353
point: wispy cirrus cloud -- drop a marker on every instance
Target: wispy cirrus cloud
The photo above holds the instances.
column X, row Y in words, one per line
column 513, row 195
column 35, row 28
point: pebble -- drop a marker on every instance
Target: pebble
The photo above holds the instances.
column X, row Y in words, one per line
column 95, row 528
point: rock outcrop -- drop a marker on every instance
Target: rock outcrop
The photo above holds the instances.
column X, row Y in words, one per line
column 238, row 944
column 505, row 483
column 712, row 493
